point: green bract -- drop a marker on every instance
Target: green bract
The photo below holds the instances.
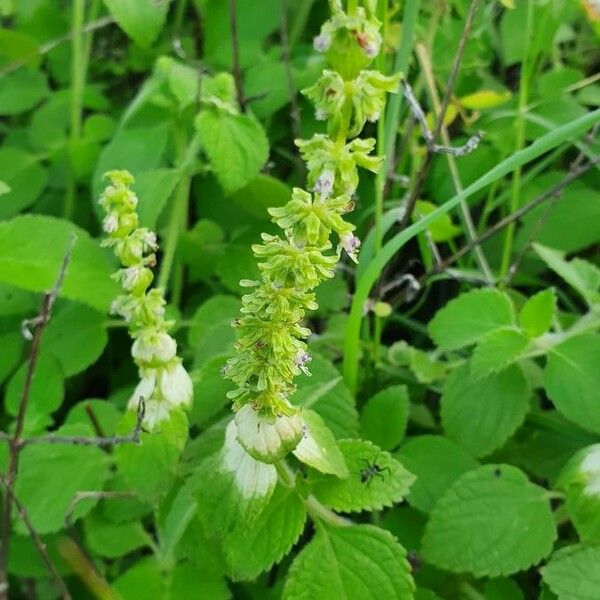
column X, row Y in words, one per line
column 164, row 382
column 271, row 351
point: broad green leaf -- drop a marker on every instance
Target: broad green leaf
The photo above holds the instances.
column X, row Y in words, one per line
column 581, row 275
column 436, row 462
column 45, row 395
column 196, row 581
column 76, row 337
column 318, row 447
column 11, row 349
column 24, row 176
column 211, row 333
column 184, row 83
column 360, row 562
column 572, row 380
column 240, row 487
column 580, row 480
column 154, row 188
column 201, row 247
column 497, row 350
column 4, row 188
column 442, row 229
column 50, row 475
column 236, row 146
column 492, row 521
column 261, row 193
column 141, row 20
column 384, row 417
column 482, row 413
column 32, row 249
column 325, row 393
column 466, row 319
column 573, row 574
column 255, row 548
column 112, row 540
column 150, row 467
column 364, row 488
column 538, row 312
column 17, row 45
column 21, row 90
column 502, row 588
column 210, row 390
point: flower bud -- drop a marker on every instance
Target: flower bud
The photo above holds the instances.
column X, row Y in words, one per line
column 265, row 437
column 175, row 384
column 153, row 346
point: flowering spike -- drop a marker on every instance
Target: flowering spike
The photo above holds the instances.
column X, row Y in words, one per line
column 164, row 382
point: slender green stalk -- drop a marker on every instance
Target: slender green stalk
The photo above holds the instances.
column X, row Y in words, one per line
column 77, row 85
column 519, row 141
column 318, row 512
column 536, row 149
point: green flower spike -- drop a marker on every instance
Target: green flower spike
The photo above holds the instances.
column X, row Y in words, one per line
column 164, row 382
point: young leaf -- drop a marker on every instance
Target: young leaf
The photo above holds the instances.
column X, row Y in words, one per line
column 236, row 146
column 385, row 416
column 581, row 275
column 573, row 574
column 360, row 562
column 51, row 474
column 141, row 20
column 492, row 521
column 32, row 249
column 572, row 380
column 482, row 413
column 469, row 317
column 255, row 548
column 442, row 229
column 538, row 312
column 318, row 448
column 497, row 350
column 436, row 462
column 376, row 480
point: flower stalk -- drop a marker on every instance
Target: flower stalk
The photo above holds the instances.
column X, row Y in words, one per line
column 271, row 349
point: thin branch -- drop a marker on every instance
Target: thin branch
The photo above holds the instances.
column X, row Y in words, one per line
column 76, row 440
column 15, row 443
column 285, row 51
column 553, row 192
column 426, row 163
column 39, row 544
column 235, row 54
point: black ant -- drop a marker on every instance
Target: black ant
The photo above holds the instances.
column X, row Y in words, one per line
column 372, row 470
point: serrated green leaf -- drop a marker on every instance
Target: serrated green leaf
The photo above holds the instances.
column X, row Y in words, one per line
column 466, row 319
column 572, row 380
column 150, row 467
column 76, row 337
column 436, row 462
column 141, row 20
column 252, row 550
column 492, row 521
column 360, row 562
column 385, row 416
column 32, row 249
column 573, row 573
column 482, row 413
column 538, row 312
column 362, row 490
column 236, row 146
column 497, row 350
column 51, row 474
column 581, row 275
column 318, row 448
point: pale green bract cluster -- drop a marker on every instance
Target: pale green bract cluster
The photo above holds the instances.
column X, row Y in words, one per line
column 164, row 382
column 271, row 348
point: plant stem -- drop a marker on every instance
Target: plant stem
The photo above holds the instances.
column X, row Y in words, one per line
column 519, row 142
column 77, row 85
column 318, row 512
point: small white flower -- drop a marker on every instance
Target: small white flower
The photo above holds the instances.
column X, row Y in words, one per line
column 320, row 114
column 302, row 359
column 371, row 49
column 111, row 222
column 149, row 240
column 129, row 277
column 350, row 243
column 155, row 411
column 322, row 42
column 175, row 385
column 374, row 116
column 154, row 346
column 144, row 389
column 324, row 184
